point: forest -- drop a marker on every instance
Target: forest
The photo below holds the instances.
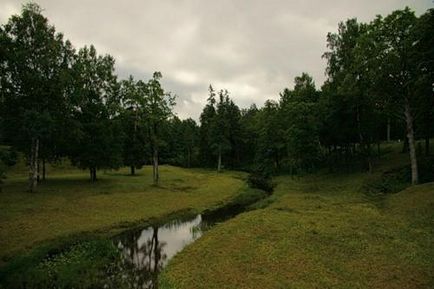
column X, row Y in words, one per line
column 379, row 88
column 61, row 104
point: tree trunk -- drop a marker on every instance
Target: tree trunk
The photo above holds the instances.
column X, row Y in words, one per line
column 366, row 147
column 38, row 178
column 33, row 165
column 188, row 157
column 411, row 143
column 155, row 167
column 44, row 172
column 388, row 129
column 219, row 161
column 133, row 170
column 92, row 172
column 427, row 146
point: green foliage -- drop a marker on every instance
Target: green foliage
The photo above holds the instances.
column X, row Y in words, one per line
column 181, row 139
column 220, row 130
column 68, row 204
column 97, row 140
column 260, row 180
column 135, row 142
column 8, row 158
column 83, row 265
column 397, row 179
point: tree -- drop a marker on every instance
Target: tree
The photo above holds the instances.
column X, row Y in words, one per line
column 189, row 140
column 248, row 135
column 300, row 125
column 206, row 122
column 350, row 81
column 224, row 127
column 98, row 137
column 158, row 109
column 271, row 142
column 422, row 55
column 134, row 124
column 394, row 48
column 34, row 62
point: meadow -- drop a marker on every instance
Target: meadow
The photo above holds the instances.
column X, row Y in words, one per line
column 67, row 204
column 319, row 231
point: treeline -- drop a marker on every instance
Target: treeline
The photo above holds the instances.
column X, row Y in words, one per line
column 379, row 87
column 58, row 102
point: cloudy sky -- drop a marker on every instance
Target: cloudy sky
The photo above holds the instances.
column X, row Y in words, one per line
column 252, row 48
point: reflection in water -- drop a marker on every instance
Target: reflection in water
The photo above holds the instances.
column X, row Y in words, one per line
column 144, row 253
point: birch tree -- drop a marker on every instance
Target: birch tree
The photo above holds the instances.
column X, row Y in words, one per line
column 35, row 60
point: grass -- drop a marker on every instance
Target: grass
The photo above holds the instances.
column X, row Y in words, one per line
column 317, row 231
column 67, row 204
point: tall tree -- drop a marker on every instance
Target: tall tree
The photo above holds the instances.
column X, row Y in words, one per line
column 98, row 139
column 271, row 141
column 300, row 125
column 189, row 140
column 423, row 56
column 134, row 124
column 351, row 83
column 206, row 123
column 395, row 45
column 34, row 62
column 224, row 127
column 158, row 109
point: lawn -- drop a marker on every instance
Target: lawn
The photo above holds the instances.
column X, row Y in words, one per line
column 317, row 231
column 68, row 204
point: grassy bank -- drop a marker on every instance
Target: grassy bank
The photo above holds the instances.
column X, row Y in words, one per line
column 67, row 204
column 317, row 231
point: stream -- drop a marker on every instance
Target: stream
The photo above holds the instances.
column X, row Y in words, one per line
column 144, row 253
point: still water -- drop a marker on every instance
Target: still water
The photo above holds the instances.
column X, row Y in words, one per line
column 144, row 253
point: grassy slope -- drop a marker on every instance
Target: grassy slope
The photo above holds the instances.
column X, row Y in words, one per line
column 69, row 204
column 317, row 232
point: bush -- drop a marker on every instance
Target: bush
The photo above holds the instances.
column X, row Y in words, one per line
column 8, row 158
column 396, row 180
column 260, row 180
column 83, row 265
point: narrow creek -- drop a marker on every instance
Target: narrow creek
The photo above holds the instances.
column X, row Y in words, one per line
column 144, row 253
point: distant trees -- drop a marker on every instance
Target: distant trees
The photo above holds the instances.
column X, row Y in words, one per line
column 58, row 102
column 220, row 129
column 300, row 117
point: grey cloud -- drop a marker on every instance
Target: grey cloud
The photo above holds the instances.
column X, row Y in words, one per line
column 253, row 48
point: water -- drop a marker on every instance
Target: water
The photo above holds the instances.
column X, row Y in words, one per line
column 144, row 253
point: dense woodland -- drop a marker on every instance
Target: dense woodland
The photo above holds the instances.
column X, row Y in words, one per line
column 59, row 102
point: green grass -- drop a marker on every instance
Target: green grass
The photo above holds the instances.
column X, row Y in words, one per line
column 68, row 204
column 318, row 231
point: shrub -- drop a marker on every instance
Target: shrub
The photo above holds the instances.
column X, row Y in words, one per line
column 260, row 180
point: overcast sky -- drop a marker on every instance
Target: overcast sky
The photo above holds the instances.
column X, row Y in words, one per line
column 252, row 48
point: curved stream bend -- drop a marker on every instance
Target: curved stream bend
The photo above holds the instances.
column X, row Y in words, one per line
column 144, row 253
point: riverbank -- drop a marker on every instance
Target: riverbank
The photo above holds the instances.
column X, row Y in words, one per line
column 317, row 231
column 68, row 206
